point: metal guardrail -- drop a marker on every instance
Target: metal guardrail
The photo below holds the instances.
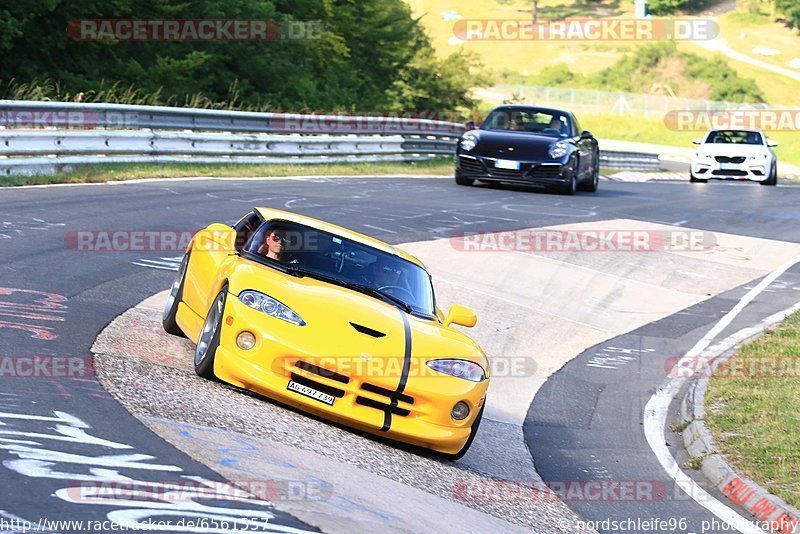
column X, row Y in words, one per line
column 52, row 137
column 120, row 116
column 630, row 161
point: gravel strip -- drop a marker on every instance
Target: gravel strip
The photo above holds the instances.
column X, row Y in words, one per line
column 151, row 374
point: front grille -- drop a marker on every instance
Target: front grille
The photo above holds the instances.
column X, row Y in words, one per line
column 509, row 173
column 471, row 165
column 545, row 171
column 734, row 172
column 526, row 170
column 396, row 410
column 321, row 371
column 392, row 397
column 387, row 392
column 730, row 159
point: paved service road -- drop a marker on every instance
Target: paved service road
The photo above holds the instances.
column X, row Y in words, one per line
column 61, row 437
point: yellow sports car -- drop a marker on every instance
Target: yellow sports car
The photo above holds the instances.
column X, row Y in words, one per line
column 332, row 322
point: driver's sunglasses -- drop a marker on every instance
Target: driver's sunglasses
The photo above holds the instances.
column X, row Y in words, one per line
column 277, row 237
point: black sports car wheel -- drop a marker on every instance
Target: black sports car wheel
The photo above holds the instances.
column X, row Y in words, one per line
column 572, row 172
column 593, row 184
column 209, row 338
column 460, row 180
column 694, row 179
column 174, row 298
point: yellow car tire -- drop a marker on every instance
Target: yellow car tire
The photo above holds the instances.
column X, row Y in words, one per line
column 208, row 342
column 175, row 296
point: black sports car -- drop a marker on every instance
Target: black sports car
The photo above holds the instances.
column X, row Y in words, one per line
column 529, row 145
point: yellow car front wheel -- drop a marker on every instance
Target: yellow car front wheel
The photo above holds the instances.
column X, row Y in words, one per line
column 168, row 320
column 208, row 342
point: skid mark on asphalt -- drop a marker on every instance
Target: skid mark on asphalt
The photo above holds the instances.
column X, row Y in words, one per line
column 29, row 307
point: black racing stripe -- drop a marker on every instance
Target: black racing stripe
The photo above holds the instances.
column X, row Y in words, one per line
column 387, row 421
column 401, row 386
column 406, row 356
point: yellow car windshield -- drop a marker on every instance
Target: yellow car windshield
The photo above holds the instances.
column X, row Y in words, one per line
column 352, row 264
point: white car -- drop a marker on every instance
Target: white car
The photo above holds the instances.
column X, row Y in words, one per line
column 735, row 155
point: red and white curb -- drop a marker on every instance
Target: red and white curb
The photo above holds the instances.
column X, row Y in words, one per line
column 699, row 442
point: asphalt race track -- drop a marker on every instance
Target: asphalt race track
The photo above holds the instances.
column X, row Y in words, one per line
column 580, row 418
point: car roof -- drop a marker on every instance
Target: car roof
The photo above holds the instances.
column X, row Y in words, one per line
column 270, row 214
column 754, row 130
column 534, row 106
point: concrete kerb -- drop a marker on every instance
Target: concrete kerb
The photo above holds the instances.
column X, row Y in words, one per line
column 699, row 443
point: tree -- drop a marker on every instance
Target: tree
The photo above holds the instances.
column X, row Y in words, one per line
column 358, row 59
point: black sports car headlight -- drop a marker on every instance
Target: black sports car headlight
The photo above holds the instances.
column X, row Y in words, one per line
column 558, row 150
column 468, row 142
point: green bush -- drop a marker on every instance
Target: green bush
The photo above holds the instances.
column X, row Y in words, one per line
column 671, row 7
column 791, row 10
column 638, row 72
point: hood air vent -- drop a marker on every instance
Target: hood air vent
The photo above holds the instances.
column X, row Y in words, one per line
column 367, row 330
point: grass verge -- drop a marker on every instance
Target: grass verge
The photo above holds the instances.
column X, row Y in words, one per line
column 127, row 171
column 753, row 410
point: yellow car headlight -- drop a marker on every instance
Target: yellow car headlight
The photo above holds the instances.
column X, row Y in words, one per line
column 266, row 304
column 459, row 368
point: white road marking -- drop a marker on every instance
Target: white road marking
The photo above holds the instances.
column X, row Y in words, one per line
column 656, row 411
column 378, row 228
column 165, row 263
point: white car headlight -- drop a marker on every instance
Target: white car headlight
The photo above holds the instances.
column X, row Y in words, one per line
column 270, row 306
column 468, row 142
column 758, row 158
column 459, row 368
column 705, row 157
column 557, row 150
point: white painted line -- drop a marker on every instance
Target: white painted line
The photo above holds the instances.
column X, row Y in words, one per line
column 656, row 411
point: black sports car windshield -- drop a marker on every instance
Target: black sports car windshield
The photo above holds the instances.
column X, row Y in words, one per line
column 534, row 120
column 735, row 137
column 303, row 250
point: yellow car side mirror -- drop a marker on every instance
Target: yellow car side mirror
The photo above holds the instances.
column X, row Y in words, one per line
column 460, row 315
